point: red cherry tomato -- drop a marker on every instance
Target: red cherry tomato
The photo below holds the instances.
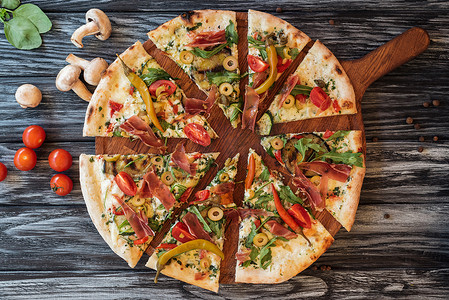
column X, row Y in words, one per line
column 60, row 160
column 170, row 87
column 328, row 134
column 141, row 241
column 181, row 233
column 336, row 106
column 61, row 184
column 282, row 66
column 301, row 215
column 202, row 195
column 126, row 183
column 114, row 106
column 33, row 136
column 25, row 159
column 319, row 98
column 256, row 64
column 3, row 172
column 301, row 98
column 197, row 134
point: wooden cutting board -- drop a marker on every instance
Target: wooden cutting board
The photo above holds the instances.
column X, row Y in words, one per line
column 362, row 73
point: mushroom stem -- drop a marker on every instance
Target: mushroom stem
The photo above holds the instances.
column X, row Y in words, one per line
column 77, row 61
column 80, row 89
column 89, row 28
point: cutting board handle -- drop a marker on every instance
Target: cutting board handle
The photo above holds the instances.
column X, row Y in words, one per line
column 364, row 71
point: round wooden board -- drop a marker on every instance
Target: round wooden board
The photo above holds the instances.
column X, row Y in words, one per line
column 231, row 141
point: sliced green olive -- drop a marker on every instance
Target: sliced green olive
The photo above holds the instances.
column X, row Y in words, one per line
column 112, row 158
column 224, row 177
column 277, row 143
column 157, row 160
column 225, row 89
column 137, row 201
column 167, row 178
column 186, row 57
column 289, row 102
column 215, row 213
column 230, row 63
column 260, row 239
column 286, row 52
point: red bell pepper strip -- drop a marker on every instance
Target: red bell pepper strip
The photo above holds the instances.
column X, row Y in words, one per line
column 278, row 157
column 283, row 213
column 141, row 241
column 166, row 246
column 181, row 233
column 251, row 172
column 185, row 195
column 301, row 215
column 118, row 211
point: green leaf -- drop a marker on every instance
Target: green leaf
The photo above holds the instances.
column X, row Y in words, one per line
column 197, row 25
column 231, row 34
column 218, row 78
column 265, row 175
column 208, row 54
column 263, row 54
column 22, row 34
column 302, row 145
column 294, row 53
column 10, row 4
column 265, row 254
column 153, row 75
column 347, row 158
column 263, row 199
column 216, row 227
column 286, row 194
column 35, row 15
column 251, row 235
column 337, row 136
column 253, row 41
column 193, row 209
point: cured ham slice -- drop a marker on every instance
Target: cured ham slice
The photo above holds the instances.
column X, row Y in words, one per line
column 223, row 188
column 245, row 212
column 311, row 191
column 138, row 127
column 180, row 158
column 159, row 189
column 338, row 172
column 207, row 39
column 250, row 109
column 195, row 106
column 279, row 230
column 138, row 222
column 290, row 83
column 195, row 227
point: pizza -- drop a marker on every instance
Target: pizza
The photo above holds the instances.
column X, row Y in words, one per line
column 129, row 197
column 203, row 219
column 204, row 44
column 328, row 167
column 118, row 109
column 278, row 237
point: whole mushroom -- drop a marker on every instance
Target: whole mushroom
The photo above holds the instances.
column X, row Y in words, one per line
column 68, row 79
column 96, row 23
column 27, row 95
column 92, row 69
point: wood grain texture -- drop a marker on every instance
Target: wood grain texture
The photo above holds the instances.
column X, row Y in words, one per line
column 403, row 256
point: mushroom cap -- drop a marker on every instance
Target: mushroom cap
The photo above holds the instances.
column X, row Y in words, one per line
column 94, row 70
column 28, row 95
column 67, row 77
column 102, row 21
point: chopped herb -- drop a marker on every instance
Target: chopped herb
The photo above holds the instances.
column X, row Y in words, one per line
column 197, row 25
column 91, row 159
column 100, row 108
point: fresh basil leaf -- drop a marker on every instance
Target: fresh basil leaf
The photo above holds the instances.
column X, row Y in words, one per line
column 10, row 4
column 197, row 25
column 193, row 209
column 22, row 34
column 265, row 175
column 252, row 234
column 347, row 158
column 286, row 194
column 208, row 53
column 153, row 75
column 301, row 89
column 218, row 78
column 253, row 41
column 35, row 15
column 231, row 34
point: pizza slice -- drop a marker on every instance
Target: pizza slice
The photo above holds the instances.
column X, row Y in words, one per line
column 204, row 219
column 204, row 44
column 129, row 197
column 328, row 166
column 273, row 44
column 319, row 87
column 137, row 98
column 278, row 237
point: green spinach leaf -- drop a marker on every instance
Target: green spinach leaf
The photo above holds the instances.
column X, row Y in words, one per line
column 10, row 4
column 35, row 15
column 22, row 34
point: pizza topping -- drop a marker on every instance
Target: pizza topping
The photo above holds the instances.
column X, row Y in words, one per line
column 256, row 64
column 283, row 64
column 319, row 98
column 159, row 190
column 328, row 134
column 282, row 212
column 195, row 106
column 225, row 89
column 243, row 255
column 126, row 183
column 162, row 86
column 114, row 106
column 197, row 134
column 180, row 158
column 272, row 61
column 287, row 89
column 138, row 221
column 224, row 177
column 309, row 189
column 186, row 57
column 338, row 172
column 167, row 246
column 207, row 39
column 223, row 188
column 230, row 63
column 215, row 213
column 251, row 172
column 181, row 233
column 336, row 106
column 289, row 102
column 260, row 239
column 250, row 109
column 138, row 127
column 195, row 226
column 277, row 143
column 144, row 190
column 167, row 178
column 279, row 230
column 300, row 215
column 245, row 212
column 202, row 195
column 259, row 78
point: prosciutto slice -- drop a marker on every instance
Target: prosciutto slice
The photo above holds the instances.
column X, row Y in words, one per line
column 159, row 189
column 279, row 230
column 308, row 188
column 138, row 127
column 290, row 83
column 223, row 188
column 138, row 221
column 207, row 39
column 338, row 172
column 246, row 212
column 195, row 106
column 195, row 227
column 258, row 79
column 180, row 158
column 250, row 109
column 144, row 190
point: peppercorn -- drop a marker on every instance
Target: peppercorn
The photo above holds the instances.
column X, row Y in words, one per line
column 435, row 138
column 417, row 126
column 409, row 120
column 426, row 104
column 331, row 22
column 375, row 139
column 279, row 10
column 436, row 102
column 386, row 216
column 421, row 139
column 420, row 149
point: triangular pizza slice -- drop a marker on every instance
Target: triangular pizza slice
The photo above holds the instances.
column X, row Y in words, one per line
column 329, row 168
column 150, row 107
column 129, row 197
column 278, row 237
column 203, row 219
column 204, row 44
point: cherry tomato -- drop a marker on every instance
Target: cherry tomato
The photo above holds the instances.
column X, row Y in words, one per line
column 197, row 134
column 282, row 66
column 114, row 106
column 336, row 106
column 202, row 195
column 141, row 241
column 3, row 172
column 170, row 87
column 256, row 64
column 328, row 134
column 126, row 183
column 33, row 136
column 181, row 233
column 61, row 184
column 301, row 98
column 300, row 215
column 319, row 98
column 25, row 159
column 60, row 160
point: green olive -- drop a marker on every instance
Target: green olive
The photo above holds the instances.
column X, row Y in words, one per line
column 137, row 201
column 225, row 89
column 277, row 143
column 167, row 178
column 230, row 63
column 157, row 160
column 224, row 177
column 289, row 102
column 215, row 213
column 112, row 158
column 260, row 239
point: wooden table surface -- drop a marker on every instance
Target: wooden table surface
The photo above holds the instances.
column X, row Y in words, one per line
column 399, row 245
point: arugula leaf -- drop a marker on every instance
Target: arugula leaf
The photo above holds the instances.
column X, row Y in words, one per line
column 117, row 133
column 347, row 158
column 218, row 78
column 263, row 199
column 208, row 53
column 216, row 227
column 231, row 34
column 197, row 25
column 304, row 144
column 265, row 175
column 133, row 161
column 286, row 194
column 263, row 54
column 265, row 254
column 252, row 234
column 301, row 89
column 337, row 136
column 180, row 189
column 193, row 209
column 154, row 75
column 253, row 41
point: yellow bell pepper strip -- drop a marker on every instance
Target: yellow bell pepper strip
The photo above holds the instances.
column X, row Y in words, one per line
column 273, row 62
column 188, row 246
column 251, row 172
column 140, row 85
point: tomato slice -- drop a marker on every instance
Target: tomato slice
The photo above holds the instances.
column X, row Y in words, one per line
column 328, row 134
column 197, row 134
column 141, row 241
column 181, row 233
column 256, row 64
column 118, row 211
column 114, row 106
column 257, row 223
column 336, row 106
column 170, row 87
column 126, row 183
column 301, row 215
column 202, row 195
column 297, row 136
column 319, row 98
column 301, row 98
column 282, row 66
